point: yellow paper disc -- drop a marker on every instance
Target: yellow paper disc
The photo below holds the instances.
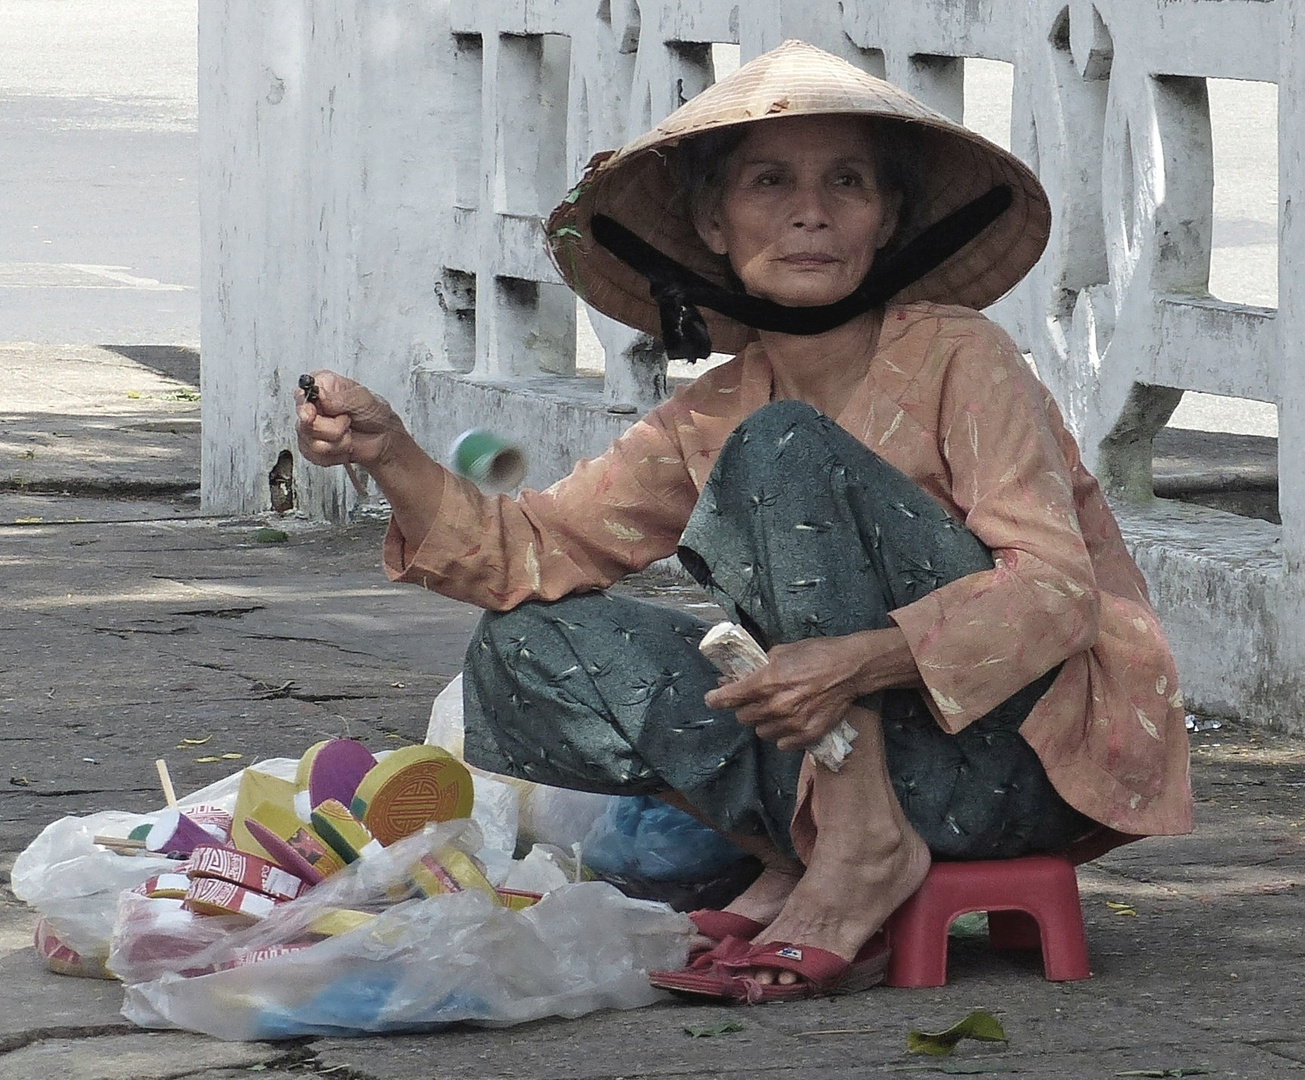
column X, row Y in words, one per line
column 334, row 921
column 411, row 787
column 305, row 766
column 342, row 831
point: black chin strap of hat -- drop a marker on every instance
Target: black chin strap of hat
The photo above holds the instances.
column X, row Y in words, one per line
column 684, row 331
column 679, row 291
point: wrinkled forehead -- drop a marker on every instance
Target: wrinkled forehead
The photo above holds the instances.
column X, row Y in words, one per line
column 831, row 136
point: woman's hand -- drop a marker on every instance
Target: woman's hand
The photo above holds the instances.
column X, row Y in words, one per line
column 346, row 422
column 808, row 686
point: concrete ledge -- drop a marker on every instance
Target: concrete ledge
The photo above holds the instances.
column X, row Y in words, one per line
column 1217, row 582
column 556, row 419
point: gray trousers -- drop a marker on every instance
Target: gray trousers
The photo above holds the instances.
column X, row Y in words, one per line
column 801, row 531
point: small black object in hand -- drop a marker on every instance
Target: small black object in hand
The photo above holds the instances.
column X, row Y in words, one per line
column 309, row 386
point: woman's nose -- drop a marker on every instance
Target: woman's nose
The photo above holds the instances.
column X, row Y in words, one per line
column 809, row 209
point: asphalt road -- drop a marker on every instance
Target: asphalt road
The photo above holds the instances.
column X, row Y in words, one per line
column 99, row 208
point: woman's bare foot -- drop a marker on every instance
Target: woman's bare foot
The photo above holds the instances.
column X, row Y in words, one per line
column 843, row 900
column 761, row 901
column 865, row 860
column 765, row 897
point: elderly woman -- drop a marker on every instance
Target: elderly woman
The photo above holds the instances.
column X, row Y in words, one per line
column 876, row 486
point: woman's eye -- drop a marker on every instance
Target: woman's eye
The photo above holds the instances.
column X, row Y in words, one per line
column 850, row 179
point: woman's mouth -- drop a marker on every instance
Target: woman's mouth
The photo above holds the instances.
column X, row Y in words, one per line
column 808, row 259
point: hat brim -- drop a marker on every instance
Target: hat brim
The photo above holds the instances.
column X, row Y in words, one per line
column 636, row 186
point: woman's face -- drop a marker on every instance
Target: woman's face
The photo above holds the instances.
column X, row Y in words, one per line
column 801, row 215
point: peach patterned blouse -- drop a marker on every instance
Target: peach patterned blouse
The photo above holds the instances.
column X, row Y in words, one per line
column 948, row 400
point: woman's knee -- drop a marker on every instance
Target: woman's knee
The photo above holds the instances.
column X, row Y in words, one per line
column 503, row 634
column 784, row 420
column 791, row 439
column 782, row 414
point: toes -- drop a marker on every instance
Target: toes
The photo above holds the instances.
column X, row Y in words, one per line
column 770, row 977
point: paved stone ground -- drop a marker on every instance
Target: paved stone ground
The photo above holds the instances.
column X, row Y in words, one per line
column 128, row 625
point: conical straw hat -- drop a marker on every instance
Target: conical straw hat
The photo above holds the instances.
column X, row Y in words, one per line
column 636, row 187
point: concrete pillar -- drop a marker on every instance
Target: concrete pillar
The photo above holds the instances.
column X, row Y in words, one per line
column 1291, row 290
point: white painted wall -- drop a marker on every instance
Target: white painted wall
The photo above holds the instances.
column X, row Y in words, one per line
column 374, row 175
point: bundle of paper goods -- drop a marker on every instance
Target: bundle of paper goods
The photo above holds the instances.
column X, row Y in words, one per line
column 343, row 892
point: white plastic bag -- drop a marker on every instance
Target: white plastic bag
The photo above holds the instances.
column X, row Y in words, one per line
column 75, row 883
column 495, row 812
column 418, row 964
column 559, row 816
column 445, row 727
column 546, row 815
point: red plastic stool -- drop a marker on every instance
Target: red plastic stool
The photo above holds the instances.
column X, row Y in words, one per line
column 1029, row 901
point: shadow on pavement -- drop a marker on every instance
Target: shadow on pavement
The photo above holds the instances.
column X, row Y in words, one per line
column 175, row 361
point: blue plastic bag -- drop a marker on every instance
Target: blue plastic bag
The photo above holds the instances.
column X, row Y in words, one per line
column 640, row 837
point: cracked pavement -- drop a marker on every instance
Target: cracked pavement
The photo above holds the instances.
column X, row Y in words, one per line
column 278, row 646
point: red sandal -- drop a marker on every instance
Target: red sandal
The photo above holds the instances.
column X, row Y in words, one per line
column 701, row 977
column 719, row 925
column 820, row 972
column 724, row 973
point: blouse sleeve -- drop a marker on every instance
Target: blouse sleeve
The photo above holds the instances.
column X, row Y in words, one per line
column 979, row 639
column 611, row 516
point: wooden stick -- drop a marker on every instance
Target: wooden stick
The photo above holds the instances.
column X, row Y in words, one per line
column 127, row 848
column 356, row 480
column 124, row 842
column 169, row 793
column 309, row 386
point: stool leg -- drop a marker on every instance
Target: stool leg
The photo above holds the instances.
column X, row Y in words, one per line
column 1029, row 901
column 1013, row 930
column 917, row 935
column 1064, row 943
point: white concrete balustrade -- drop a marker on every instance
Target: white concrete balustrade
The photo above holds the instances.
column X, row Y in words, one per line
column 375, row 172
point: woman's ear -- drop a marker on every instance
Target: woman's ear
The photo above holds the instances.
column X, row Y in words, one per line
column 707, row 223
column 892, row 218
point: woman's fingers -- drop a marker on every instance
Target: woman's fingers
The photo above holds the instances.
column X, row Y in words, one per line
column 738, row 693
column 329, row 428
column 344, row 422
column 332, row 391
column 324, row 453
column 793, row 727
column 338, row 396
column 323, row 440
column 313, row 426
column 809, row 727
column 791, row 710
column 808, row 685
column 764, row 701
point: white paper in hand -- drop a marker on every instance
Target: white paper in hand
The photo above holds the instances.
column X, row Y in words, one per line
column 736, row 653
